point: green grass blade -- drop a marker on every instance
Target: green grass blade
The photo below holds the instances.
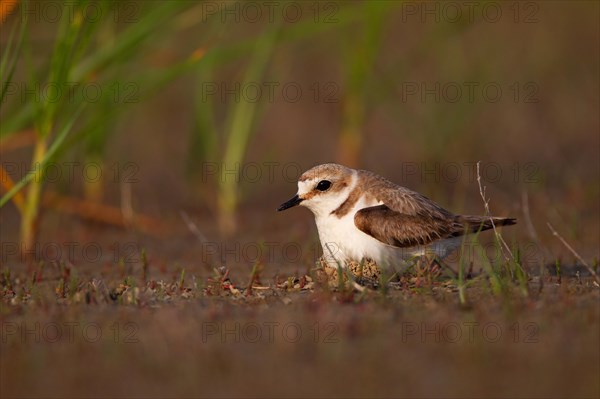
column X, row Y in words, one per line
column 8, row 53
column 239, row 129
column 56, row 144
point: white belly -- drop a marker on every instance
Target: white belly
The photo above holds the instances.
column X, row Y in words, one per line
column 342, row 241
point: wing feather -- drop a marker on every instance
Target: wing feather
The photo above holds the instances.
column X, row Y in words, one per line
column 407, row 218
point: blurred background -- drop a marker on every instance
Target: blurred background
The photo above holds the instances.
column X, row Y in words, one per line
column 144, row 143
column 178, row 127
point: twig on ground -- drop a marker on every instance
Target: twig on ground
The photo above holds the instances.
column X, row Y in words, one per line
column 570, row 248
column 530, row 227
column 192, row 227
column 489, row 214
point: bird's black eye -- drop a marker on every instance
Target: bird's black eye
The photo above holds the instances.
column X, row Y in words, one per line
column 323, row 185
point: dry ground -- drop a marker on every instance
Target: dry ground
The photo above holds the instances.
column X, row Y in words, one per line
column 81, row 333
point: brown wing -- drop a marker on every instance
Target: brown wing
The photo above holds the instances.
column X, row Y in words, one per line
column 402, row 230
column 408, row 218
column 401, row 199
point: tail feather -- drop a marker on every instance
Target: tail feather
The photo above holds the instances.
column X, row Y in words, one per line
column 473, row 224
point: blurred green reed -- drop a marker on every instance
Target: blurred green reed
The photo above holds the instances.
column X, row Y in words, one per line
column 81, row 54
column 112, row 54
column 239, row 126
column 226, row 139
column 359, row 54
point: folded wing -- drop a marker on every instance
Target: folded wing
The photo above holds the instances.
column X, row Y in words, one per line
column 407, row 218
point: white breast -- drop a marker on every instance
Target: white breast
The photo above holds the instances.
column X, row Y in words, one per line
column 342, row 240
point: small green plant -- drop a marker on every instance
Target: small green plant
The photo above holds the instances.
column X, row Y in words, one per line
column 519, row 272
column 181, row 279
column 254, row 276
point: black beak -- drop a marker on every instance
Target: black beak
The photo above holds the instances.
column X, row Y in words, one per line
column 291, row 203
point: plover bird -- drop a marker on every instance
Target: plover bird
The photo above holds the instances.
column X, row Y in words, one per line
column 362, row 216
